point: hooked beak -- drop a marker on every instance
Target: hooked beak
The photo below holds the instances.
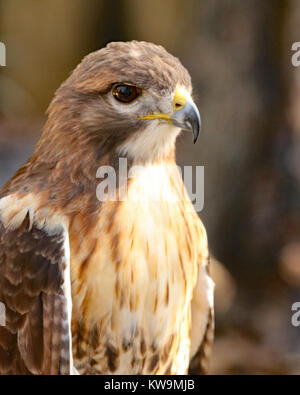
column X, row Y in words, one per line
column 185, row 115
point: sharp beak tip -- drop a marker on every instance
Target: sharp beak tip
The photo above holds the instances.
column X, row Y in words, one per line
column 188, row 118
column 196, row 127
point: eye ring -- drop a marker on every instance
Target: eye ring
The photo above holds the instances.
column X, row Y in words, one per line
column 126, row 93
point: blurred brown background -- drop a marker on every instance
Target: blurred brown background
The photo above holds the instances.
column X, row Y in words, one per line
column 239, row 56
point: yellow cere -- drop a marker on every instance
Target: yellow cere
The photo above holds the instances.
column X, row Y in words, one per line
column 181, row 97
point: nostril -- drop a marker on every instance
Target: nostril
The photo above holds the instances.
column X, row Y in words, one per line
column 178, row 105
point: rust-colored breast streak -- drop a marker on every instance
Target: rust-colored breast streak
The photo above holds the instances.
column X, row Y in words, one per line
column 133, row 274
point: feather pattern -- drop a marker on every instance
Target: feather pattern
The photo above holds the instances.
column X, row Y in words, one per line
column 129, row 278
column 32, row 271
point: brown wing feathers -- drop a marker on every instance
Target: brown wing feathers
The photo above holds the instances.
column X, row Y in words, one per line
column 32, row 265
column 200, row 362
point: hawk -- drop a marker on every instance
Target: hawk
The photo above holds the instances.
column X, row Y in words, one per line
column 112, row 286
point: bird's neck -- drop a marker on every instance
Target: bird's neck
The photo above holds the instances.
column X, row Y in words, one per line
column 155, row 144
column 67, row 167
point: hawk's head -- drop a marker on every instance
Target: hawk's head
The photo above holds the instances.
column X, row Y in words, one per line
column 130, row 97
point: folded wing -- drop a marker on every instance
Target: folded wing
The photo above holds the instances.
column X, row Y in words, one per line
column 202, row 331
column 35, row 293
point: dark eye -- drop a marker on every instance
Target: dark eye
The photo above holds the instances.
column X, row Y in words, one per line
column 126, row 93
